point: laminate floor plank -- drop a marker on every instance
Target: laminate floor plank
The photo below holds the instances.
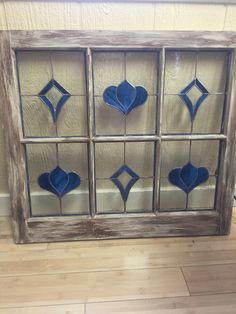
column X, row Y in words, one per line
column 53, row 309
column 91, row 287
column 210, row 279
column 191, row 275
column 82, row 260
column 212, row 304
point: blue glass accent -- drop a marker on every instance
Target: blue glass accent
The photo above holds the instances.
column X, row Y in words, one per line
column 58, row 181
column 188, row 177
column 125, row 97
column 193, row 108
column 65, row 96
column 124, row 191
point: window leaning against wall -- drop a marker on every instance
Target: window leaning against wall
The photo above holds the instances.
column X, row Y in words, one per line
column 125, row 135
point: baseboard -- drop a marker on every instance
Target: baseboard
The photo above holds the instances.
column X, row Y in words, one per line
column 44, row 198
column 4, row 204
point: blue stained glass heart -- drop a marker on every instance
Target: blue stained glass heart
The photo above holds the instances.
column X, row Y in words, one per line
column 58, row 181
column 125, row 97
column 46, row 100
column 188, row 177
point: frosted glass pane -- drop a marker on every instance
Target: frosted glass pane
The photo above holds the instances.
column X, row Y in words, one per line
column 109, row 199
column 139, row 156
column 38, row 121
column 142, row 70
column 108, row 69
column 109, row 157
column 179, row 71
column 36, row 69
column 141, row 196
column 212, row 70
column 109, row 121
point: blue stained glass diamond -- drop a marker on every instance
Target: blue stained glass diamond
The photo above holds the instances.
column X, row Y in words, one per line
column 193, row 107
column 124, row 191
column 55, row 109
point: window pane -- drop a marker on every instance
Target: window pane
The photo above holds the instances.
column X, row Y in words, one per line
column 58, row 179
column 189, row 171
column 53, row 93
column 138, row 69
column 194, row 93
column 124, row 173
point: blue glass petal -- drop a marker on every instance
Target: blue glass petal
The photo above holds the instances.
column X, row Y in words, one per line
column 188, row 177
column 44, row 182
column 109, row 96
column 203, row 176
column 126, row 94
column 65, row 96
column 188, row 174
column 124, row 191
column 174, row 178
column 58, row 181
column 125, row 97
column 141, row 97
column 193, row 108
column 74, row 182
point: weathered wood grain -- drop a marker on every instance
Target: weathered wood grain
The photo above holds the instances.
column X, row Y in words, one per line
column 225, row 189
column 125, row 39
column 167, row 224
column 177, row 1
column 14, row 149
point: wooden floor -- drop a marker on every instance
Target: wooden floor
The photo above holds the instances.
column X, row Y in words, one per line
column 167, row 276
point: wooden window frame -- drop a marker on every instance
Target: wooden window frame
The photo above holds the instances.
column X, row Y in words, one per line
column 28, row 229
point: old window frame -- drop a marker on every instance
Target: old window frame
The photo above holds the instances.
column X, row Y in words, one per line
column 40, row 229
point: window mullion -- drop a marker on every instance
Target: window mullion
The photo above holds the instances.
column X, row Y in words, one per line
column 91, row 154
column 157, row 157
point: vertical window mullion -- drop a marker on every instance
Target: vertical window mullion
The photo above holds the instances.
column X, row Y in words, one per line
column 157, row 159
column 91, row 154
